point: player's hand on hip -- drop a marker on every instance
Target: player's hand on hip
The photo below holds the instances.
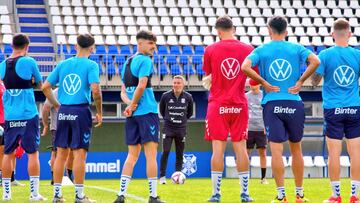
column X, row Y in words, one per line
column 45, row 130
column 269, row 88
column 98, row 118
column 295, row 89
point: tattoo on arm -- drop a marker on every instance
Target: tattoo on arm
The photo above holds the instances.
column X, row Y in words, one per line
column 315, row 79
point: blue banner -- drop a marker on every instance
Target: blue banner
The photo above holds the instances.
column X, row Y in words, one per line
column 108, row 165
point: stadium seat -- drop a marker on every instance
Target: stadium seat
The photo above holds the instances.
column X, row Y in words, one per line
column 187, row 50
column 100, row 49
column 175, row 69
column 175, row 50
column 125, row 50
column 171, row 59
column 162, row 50
column 107, row 59
column 7, row 49
column 120, row 59
column 184, row 60
column 188, row 70
column 163, row 70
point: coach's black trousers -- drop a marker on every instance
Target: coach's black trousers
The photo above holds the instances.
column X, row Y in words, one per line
column 179, row 149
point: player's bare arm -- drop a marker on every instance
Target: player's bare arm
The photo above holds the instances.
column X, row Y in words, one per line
column 137, row 95
column 124, row 96
column 314, row 62
column 315, row 79
column 46, row 88
column 96, row 93
column 246, row 67
column 45, row 118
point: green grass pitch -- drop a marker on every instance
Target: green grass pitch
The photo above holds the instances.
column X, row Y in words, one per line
column 194, row 190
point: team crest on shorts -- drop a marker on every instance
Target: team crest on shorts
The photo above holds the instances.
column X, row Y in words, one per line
column 189, row 164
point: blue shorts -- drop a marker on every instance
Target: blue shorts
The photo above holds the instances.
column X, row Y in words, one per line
column 340, row 122
column 74, row 124
column 142, row 129
column 284, row 120
column 25, row 130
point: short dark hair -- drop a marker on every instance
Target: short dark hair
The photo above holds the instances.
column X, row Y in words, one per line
column 85, row 40
column 224, row 23
column 341, row 24
column 278, row 24
column 20, row 40
column 147, row 35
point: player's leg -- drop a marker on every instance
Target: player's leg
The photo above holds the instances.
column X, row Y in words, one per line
column 150, row 149
column 131, row 159
column 297, row 166
column 59, row 165
column 242, row 166
column 79, row 172
column 179, row 150
column 277, row 166
column 250, row 143
column 34, row 173
column 262, row 155
column 7, row 169
column 334, row 149
column 167, row 141
column 217, row 168
column 52, row 162
column 353, row 146
column 69, row 166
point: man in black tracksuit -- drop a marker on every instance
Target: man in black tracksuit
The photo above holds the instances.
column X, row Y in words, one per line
column 176, row 107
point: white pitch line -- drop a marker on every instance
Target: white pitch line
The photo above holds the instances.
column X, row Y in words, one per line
column 114, row 191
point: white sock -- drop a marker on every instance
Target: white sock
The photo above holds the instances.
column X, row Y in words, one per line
column 124, row 182
column 34, row 185
column 216, row 177
column 299, row 191
column 244, row 181
column 281, row 193
column 335, row 186
column 57, row 190
column 6, row 188
column 153, row 186
column 79, row 191
column 355, row 187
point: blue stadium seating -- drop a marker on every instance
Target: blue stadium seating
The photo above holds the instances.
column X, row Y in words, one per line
column 158, row 59
column 199, row 50
column 72, row 49
column 199, row 70
column 120, row 59
column 162, row 50
column 163, row 69
column 7, row 49
column 311, row 48
column 95, row 58
column 62, row 48
column 175, row 69
column 107, row 59
column 100, row 69
column 171, row 59
column 175, row 50
column 134, row 49
column 125, row 50
column 111, row 70
column 113, row 50
column 187, row 50
column 184, row 60
column 100, row 49
column 196, row 59
column 188, row 70
column 320, row 48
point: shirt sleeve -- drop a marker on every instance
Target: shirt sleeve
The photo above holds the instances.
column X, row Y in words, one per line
column 321, row 69
column 162, row 105
column 53, row 78
column 190, row 108
column 254, row 57
column 36, row 72
column 207, row 61
column 146, row 68
column 93, row 74
column 304, row 53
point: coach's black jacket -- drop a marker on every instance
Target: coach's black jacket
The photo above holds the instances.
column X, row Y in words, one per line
column 176, row 112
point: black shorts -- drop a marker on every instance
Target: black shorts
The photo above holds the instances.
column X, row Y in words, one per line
column 256, row 137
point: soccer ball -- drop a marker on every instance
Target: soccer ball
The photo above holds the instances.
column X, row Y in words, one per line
column 178, row 177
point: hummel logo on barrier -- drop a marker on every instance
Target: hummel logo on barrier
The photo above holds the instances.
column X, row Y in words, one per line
column 72, row 84
column 14, row 92
column 344, row 75
column 280, row 69
column 230, row 68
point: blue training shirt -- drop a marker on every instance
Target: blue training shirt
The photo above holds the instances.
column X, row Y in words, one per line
column 141, row 66
column 340, row 69
column 75, row 75
column 19, row 104
column 279, row 64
